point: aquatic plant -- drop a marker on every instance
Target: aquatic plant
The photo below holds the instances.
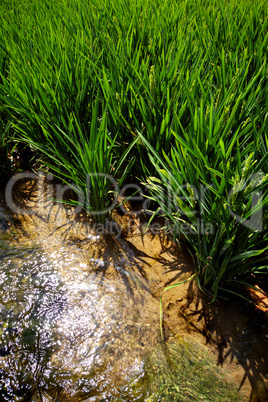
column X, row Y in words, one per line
column 184, row 372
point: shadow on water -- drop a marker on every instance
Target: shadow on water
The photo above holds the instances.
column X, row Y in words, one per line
column 120, row 256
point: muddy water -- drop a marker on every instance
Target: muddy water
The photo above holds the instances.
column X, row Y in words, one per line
column 66, row 334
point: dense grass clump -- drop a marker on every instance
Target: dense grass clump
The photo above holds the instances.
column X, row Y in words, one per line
column 173, row 93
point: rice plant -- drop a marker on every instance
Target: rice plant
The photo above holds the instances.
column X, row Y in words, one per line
column 213, row 187
column 7, row 146
column 170, row 93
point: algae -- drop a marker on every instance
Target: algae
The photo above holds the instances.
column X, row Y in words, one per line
column 182, row 370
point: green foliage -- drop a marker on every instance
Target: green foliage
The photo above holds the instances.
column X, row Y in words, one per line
column 185, row 373
column 212, row 185
column 94, row 87
column 214, row 192
column 7, row 147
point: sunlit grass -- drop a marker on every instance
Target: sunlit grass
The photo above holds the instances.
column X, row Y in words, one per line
column 174, row 94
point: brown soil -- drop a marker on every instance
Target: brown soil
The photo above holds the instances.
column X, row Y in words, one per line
column 235, row 333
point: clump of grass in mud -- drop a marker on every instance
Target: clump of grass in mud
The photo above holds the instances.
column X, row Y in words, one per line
column 212, row 186
column 225, row 248
column 184, row 372
column 217, row 205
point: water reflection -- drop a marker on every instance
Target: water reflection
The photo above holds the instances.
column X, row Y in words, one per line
column 63, row 336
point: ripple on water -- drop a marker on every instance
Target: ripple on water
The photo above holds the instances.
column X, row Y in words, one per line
column 64, row 333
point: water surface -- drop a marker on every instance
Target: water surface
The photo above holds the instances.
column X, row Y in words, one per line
column 64, row 334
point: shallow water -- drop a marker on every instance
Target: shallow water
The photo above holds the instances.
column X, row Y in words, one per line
column 79, row 323
column 64, row 334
